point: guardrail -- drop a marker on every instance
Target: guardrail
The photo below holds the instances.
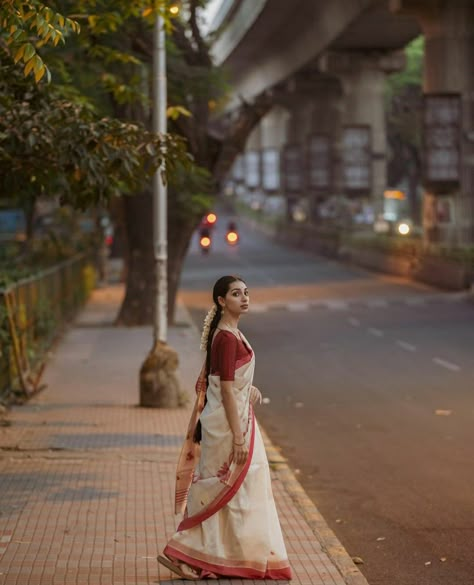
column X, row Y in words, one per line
column 32, row 314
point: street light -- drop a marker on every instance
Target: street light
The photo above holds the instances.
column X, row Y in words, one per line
column 160, row 211
column 174, row 9
column 159, row 386
column 160, row 192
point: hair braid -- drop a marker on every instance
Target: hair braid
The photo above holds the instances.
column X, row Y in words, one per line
column 220, row 289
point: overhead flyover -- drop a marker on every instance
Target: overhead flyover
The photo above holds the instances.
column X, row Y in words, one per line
column 263, row 42
column 323, row 64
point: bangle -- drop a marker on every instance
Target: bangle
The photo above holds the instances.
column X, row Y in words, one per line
column 239, row 444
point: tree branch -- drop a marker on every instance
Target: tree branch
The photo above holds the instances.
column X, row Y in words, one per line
column 233, row 144
column 202, row 48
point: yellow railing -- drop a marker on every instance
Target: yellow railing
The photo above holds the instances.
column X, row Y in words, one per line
column 32, row 313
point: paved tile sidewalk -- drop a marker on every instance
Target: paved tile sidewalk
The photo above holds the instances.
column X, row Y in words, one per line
column 87, row 477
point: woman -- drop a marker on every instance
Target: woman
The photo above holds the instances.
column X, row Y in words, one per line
column 230, row 526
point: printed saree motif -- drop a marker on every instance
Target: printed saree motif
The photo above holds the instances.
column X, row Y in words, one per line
column 230, row 525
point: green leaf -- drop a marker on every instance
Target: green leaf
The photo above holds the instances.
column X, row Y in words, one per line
column 40, row 72
column 29, row 52
column 19, row 54
column 29, row 66
column 174, row 112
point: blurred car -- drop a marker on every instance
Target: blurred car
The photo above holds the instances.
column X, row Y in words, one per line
column 12, row 225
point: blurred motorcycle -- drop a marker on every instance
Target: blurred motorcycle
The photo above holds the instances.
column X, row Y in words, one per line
column 232, row 235
column 205, row 240
column 209, row 220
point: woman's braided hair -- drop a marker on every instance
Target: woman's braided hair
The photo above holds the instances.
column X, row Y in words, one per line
column 221, row 288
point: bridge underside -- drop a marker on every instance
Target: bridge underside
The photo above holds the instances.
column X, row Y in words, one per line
column 325, row 64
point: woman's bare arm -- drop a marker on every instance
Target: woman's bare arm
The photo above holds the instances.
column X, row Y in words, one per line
column 232, row 414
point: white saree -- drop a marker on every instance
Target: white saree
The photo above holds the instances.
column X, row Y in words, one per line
column 230, row 526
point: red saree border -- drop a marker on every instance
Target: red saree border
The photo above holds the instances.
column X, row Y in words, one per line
column 244, row 572
column 226, row 494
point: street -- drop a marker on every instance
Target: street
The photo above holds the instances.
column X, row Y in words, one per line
column 369, row 380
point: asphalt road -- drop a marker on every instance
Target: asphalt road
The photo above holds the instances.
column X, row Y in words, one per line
column 371, row 388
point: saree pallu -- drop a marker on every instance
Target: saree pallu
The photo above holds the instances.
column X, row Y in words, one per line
column 230, row 526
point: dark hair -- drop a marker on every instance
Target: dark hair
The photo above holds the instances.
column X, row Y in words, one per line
column 221, row 288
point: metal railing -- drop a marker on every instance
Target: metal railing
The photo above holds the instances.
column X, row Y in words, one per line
column 32, row 313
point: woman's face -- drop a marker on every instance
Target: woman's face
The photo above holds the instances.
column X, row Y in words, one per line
column 236, row 300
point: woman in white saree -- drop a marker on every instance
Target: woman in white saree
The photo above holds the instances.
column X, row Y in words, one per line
column 230, row 526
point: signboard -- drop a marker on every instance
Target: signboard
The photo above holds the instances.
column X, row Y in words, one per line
column 252, row 169
column 319, row 160
column 293, row 168
column 442, row 127
column 271, row 169
column 357, row 159
column 238, row 171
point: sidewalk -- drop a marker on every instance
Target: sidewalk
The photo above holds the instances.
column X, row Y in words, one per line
column 87, row 477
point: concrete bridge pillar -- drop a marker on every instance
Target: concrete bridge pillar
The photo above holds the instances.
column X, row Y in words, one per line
column 311, row 102
column 448, row 84
column 362, row 145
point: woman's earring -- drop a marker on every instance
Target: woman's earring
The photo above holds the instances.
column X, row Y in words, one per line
column 222, row 310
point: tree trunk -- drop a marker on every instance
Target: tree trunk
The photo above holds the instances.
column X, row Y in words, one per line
column 29, row 208
column 137, row 306
column 177, row 250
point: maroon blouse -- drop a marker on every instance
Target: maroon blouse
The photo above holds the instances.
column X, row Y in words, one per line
column 227, row 354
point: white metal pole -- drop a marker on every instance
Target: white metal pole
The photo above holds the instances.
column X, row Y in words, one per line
column 160, row 211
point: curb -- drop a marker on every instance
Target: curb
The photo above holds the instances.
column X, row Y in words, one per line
column 329, row 541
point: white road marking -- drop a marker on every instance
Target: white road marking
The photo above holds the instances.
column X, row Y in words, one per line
column 415, row 301
column 354, row 322
column 376, row 303
column 336, row 305
column 298, row 306
column 405, row 345
column 446, row 364
column 376, row 332
column 258, row 308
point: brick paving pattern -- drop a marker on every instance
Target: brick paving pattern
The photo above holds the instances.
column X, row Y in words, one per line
column 87, row 477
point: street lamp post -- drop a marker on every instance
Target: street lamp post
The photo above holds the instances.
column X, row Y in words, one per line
column 159, row 386
column 160, row 211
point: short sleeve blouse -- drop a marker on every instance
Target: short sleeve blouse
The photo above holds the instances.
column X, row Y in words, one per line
column 226, row 351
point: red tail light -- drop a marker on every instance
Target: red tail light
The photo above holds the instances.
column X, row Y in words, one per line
column 232, row 237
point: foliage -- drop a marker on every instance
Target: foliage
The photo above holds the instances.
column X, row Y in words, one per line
column 411, row 75
column 404, row 110
column 463, row 255
column 28, row 26
column 190, row 193
column 399, row 246
column 61, row 240
column 403, row 99
column 57, row 147
column 38, row 315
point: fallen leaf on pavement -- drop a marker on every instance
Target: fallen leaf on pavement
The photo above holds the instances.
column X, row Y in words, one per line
column 266, row 400
column 338, row 521
column 428, row 563
column 358, row 560
column 441, row 412
column 443, row 559
column 380, row 538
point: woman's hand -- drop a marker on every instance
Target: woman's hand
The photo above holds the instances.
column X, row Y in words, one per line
column 240, row 452
column 255, row 395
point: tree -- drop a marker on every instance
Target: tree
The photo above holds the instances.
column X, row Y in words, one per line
column 404, row 106
column 114, row 50
column 28, row 26
column 52, row 145
column 199, row 86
